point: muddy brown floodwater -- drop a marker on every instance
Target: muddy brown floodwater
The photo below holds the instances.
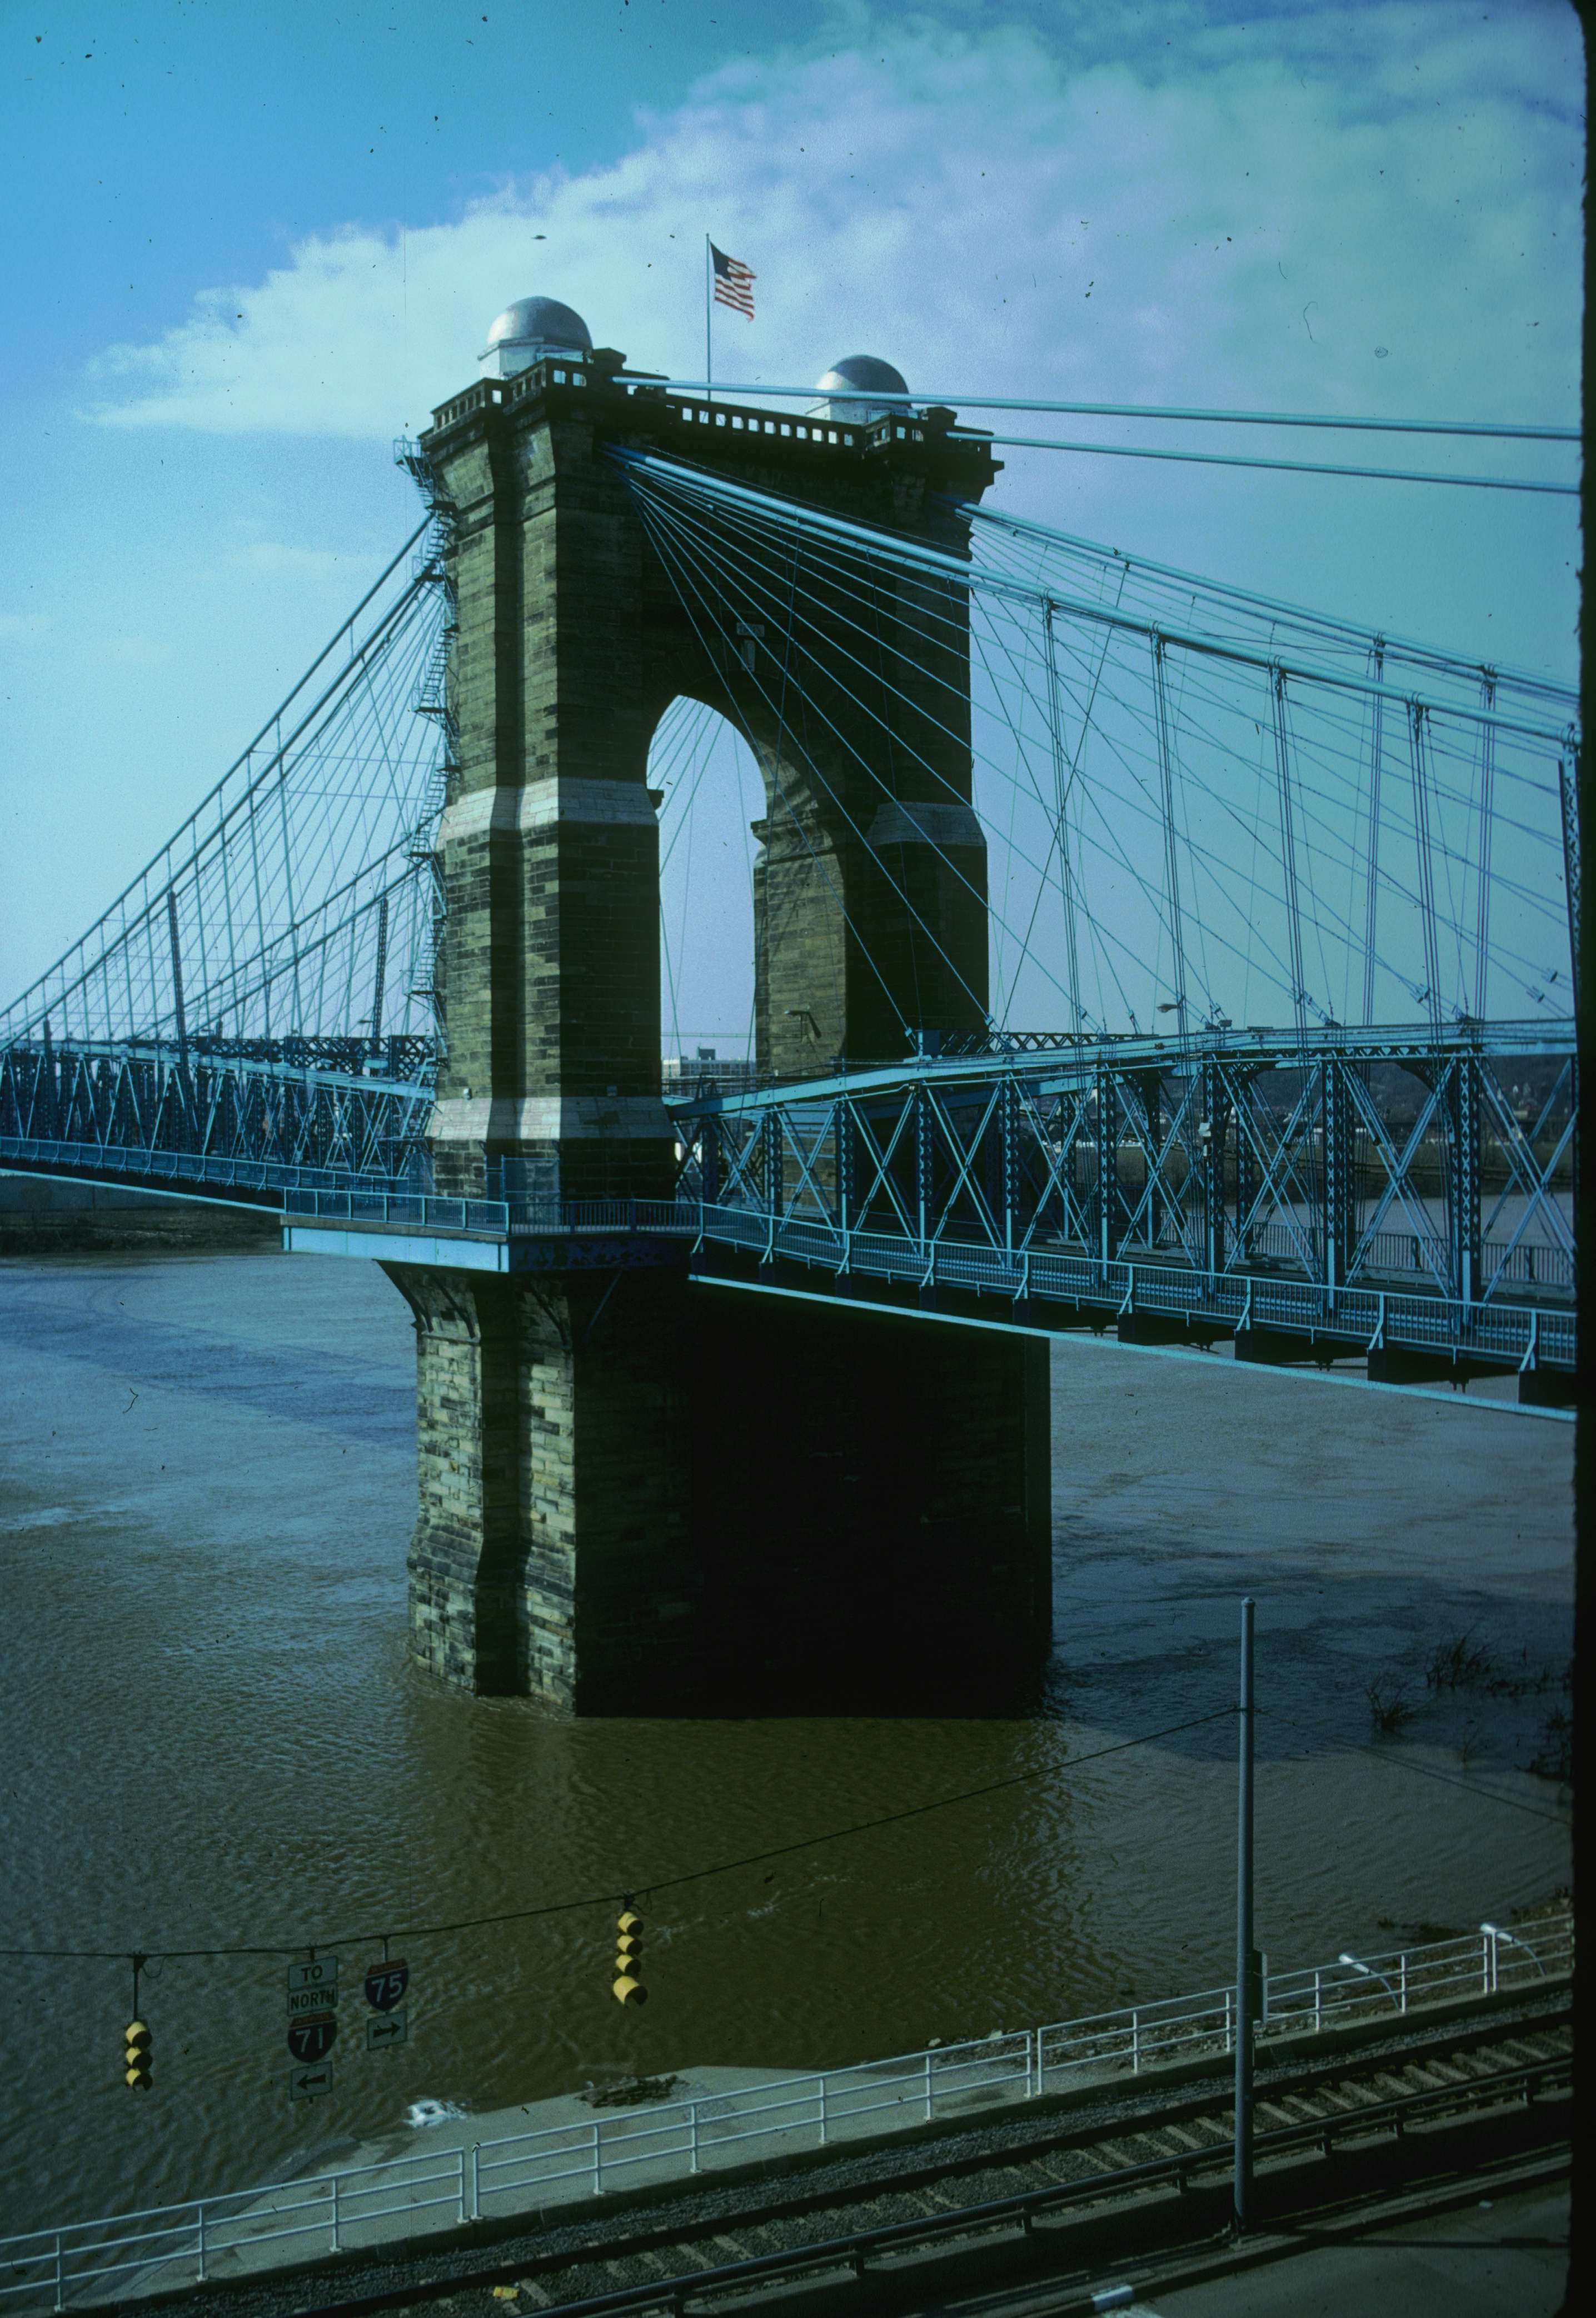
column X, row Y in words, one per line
column 213, row 1737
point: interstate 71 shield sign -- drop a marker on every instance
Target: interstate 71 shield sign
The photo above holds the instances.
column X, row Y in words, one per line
column 310, row 2036
column 386, row 1983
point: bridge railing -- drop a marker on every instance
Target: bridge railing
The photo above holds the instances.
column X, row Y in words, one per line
column 1348, row 1320
column 244, row 2232
column 214, row 1173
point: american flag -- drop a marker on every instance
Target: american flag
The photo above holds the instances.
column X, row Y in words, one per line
column 734, row 281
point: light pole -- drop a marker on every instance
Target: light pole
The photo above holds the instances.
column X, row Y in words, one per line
column 1244, row 1959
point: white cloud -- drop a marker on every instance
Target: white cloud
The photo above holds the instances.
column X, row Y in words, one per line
column 1247, row 231
column 321, row 568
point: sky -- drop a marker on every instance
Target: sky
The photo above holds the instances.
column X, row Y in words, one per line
column 250, row 246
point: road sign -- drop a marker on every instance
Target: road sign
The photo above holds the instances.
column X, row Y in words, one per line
column 386, row 1983
column 311, row 2038
column 387, row 2028
column 321, row 1974
column 309, row 2084
column 310, row 1999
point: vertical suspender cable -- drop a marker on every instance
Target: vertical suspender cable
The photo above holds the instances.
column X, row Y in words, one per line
column 1172, row 858
column 1060, row 782
column 1568, row 782
column 294, row 937
column 1482, row 955
column 1432, row 967
column 380, row 975
column 1299, row 996
column 1375, row 755
column 176, row 970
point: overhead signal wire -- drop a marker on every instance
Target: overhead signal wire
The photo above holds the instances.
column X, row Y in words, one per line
column 1505, row 430
column 1393, row 1759
column 641, row 1886
column 1276, row 466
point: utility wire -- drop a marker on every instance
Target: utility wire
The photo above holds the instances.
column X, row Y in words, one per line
column 1281, row 466
column 914, row 404
column 1424, row 1771
column 659, row 1883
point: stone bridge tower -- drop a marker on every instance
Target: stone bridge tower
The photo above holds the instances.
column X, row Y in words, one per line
column 604, row 1451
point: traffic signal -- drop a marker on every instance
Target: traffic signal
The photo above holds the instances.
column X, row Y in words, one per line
column 629, row 1956
column 137, row 2057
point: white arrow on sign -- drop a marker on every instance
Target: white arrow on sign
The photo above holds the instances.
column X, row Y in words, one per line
column 321, row 1974
column 387, row 2028
column 307, row 2084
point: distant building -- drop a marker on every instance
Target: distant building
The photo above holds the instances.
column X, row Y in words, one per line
column 681, row 1074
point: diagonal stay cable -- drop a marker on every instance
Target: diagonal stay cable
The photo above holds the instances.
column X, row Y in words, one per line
column 669, row 560
column 731, row 578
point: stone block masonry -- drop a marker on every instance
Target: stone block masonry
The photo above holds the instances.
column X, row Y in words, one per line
column 553, row 1554
column 632, row 1490
column 640, row 1495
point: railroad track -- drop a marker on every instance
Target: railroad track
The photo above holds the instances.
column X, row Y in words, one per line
column 1006, row 2188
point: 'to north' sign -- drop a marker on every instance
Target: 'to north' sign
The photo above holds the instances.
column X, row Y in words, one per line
column 318, row 1977
column 386, row 1984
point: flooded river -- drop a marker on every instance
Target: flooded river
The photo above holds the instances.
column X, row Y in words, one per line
column 213, row 1738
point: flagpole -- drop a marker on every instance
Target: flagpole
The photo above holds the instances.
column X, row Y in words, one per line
column 709, row 280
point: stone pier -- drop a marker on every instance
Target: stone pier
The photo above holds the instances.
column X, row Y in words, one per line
column 631, row 1485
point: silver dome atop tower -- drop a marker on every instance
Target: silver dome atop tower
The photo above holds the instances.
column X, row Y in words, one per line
column 848, row 385
column 527, row 331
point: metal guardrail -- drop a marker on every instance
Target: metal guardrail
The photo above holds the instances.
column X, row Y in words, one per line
column 1358, row 1318
column 330, row 2213
column 176, row 1171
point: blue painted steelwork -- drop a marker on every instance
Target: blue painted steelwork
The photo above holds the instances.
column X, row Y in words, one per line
column 216, row 1119
column 1376, row 1192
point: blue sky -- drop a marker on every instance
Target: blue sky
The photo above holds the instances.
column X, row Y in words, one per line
column 252, row 246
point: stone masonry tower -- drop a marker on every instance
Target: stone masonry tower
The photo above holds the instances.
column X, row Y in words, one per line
column 560, row 1548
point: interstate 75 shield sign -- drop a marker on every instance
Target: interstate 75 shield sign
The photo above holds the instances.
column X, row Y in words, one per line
column 310, row 2036
column 386, row 1983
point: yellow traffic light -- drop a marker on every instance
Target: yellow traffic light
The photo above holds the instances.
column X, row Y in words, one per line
column 629, row 1956
column 137, row 2057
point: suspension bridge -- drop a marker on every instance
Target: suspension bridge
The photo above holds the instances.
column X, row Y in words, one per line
column 1131, row 952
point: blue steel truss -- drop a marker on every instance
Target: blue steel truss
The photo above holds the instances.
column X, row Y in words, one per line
column 233, row 1123
column 1362, row 1191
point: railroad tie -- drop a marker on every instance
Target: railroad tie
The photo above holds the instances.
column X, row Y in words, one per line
column 736, row 2249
